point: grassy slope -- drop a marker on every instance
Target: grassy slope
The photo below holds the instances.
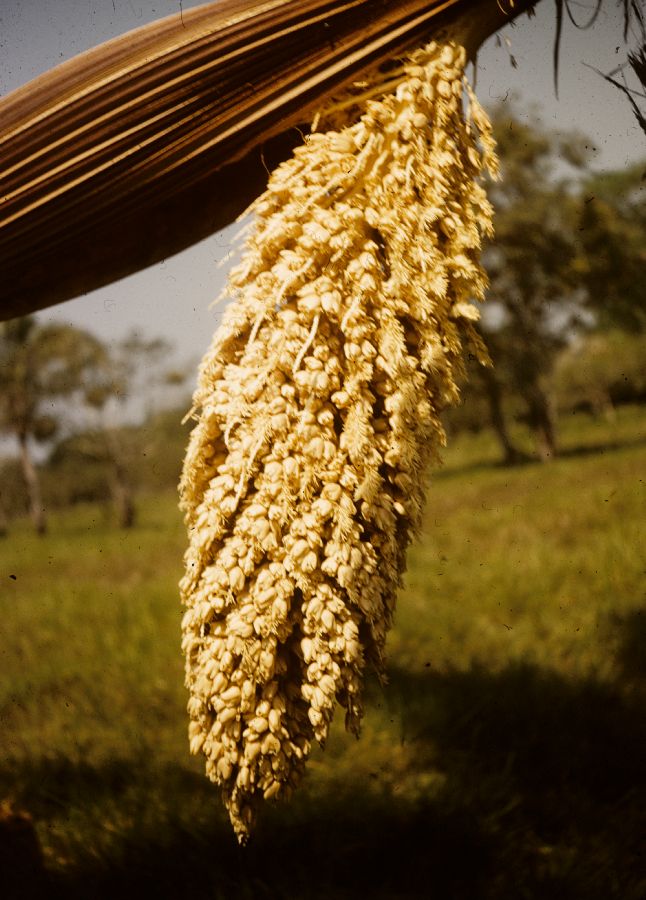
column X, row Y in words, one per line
column 504, row 759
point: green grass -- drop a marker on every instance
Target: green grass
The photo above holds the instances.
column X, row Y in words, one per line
column 504, row 759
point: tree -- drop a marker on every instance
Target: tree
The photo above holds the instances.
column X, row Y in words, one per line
column 535, row 296
column 39, row 366
column 612, row 251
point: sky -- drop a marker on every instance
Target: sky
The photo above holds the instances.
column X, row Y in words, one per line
column 173, row 299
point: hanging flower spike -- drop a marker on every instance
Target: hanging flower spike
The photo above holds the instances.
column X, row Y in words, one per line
column 318, row 413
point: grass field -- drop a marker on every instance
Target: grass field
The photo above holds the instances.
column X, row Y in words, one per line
column 505, row 759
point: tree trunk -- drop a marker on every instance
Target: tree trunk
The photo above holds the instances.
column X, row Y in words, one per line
column 122, row 496
column 32, row 483
column 542, row 420
column 511, row 455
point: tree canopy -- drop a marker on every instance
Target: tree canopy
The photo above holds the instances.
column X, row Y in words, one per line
column 40, row 365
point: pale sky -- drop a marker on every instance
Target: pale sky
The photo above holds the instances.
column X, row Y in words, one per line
column 172, row 299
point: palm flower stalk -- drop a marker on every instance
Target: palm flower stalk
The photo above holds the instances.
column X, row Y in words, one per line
column 318, row 414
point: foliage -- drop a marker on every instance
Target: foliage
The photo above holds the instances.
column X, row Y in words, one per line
column 612, row 257
column 504, row 759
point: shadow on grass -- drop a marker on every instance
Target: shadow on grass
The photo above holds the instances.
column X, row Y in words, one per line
column 342, row 846
column 524, row 460
column 543, row 796
column 551, row 769
column 46, row 786
column 632, row 650
column 602, row 447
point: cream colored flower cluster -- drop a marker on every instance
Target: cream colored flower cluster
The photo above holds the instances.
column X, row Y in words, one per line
column 318, row 411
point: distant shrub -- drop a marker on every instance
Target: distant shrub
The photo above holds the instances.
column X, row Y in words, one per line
column 13, row 494
column 163, row 442
column 601, row 371
column 72, row 481
column 81, row 468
